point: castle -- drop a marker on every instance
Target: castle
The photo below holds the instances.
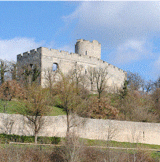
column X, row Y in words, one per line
column 87, row 54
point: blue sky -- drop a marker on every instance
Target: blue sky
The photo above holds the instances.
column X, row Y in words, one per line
column 129, row 32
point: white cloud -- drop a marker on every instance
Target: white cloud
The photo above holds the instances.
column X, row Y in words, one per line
column 125, row 28
column 9, row 49
column 113, row 23
column 156, row 68
column 132, row 50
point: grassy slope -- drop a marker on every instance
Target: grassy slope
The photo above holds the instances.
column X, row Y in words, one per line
column 12, row 105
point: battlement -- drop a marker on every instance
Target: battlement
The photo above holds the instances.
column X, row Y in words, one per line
column 60, row 53
column 30, row 53
column 87, row 54
column 87, row 41
column 74, row 56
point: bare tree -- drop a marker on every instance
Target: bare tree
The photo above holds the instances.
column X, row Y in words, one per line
column 11, row 89
column 157, row 83
column 68, row 96
column 149, row 86
column 73, row 148
column 50, row 79
column 14, row 71
column 28, row 74
column 135, row 81
column 76, row 74
column 3, row 70
column 101, row 78
column 112, row 131
column 34, row 108
column 91, row 76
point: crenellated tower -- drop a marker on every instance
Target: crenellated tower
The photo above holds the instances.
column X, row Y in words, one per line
column 85, row 47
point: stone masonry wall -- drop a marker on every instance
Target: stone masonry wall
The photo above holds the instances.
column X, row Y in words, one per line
column 122, row 131
column 67, row 62
column 33, row 57
column 88, row 55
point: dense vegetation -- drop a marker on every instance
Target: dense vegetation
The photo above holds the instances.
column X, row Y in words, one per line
column 138, row 100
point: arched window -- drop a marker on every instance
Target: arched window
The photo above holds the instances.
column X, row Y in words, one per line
column 55, row 67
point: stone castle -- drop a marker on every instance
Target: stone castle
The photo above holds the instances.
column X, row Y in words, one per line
column 87, row 54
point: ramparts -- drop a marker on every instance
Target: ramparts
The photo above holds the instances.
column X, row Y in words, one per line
column 122, row 131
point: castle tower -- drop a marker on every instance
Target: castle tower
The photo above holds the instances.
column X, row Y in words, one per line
column 85, row 47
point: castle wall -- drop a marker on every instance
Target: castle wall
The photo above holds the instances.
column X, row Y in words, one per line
column 29, row 59
column 44, row 58
column 66, row 61
column 122, row 131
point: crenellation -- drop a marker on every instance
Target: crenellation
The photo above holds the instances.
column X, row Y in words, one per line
column 33, row 51
column 64, row 52
column 87, row 54
column 54, row 50
column 19, row 55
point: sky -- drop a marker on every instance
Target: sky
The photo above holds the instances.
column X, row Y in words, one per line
column 129, row 31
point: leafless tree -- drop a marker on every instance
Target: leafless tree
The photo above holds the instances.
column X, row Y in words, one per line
column 157, row 83
column 68, row 96
column 135, row 81
column 3, row 70
column 77, row 74
column 7, row 70
column 91, row 76
column 112, row 131
column 73, row 148
column 148, row 86
column 50, row 79
column 100, row 78
column 34, row 108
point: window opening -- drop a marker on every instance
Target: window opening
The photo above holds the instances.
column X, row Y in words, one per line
column 55, row 67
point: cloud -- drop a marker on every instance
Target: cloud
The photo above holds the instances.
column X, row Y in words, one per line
column 9, row 49
column 132, row 50
column 126, row 30
column 112, row 23
column 156, row 68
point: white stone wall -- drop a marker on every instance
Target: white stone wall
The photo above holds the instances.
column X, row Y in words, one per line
column 45, row 58
column 67, row 62
column 122, row 131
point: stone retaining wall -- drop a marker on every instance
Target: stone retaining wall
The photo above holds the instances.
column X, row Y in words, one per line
column 123, row 131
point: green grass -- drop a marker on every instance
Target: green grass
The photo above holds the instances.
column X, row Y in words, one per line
column 11, row 107
column 119, row 144
column 50, row 140
column 55, row 111
column 5, row 138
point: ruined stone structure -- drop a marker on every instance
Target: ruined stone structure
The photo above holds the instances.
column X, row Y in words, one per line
column 87, row 54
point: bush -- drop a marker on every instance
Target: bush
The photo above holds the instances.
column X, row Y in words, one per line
column 4, row 138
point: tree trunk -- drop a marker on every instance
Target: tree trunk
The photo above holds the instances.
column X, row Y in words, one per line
column 67, row 123
column 35, row 138
column 2, row 72
column 99, row 95
column 91, row 86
